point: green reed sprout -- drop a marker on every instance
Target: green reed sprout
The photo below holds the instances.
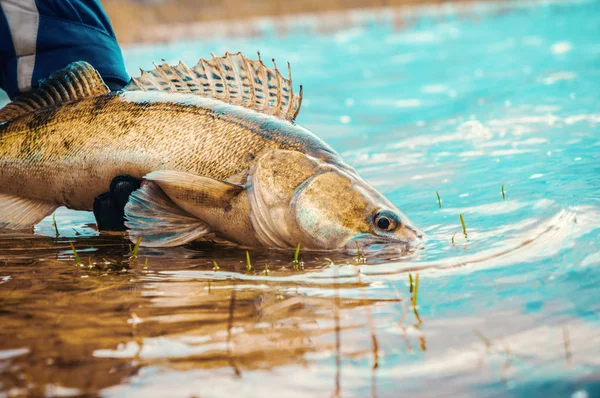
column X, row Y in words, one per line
column 416, row 292
column 215, row 266
column 133, row 253
column 464, row 227
column 296, row 254
column 54, row 224
column 484, row 339
column 414, row 289
column 453, row 235
column 360, row 255
column 503, row 194
column 77, row 259
column 298, row 265
column 248, row 263
column 439, row 199
column 266, row 271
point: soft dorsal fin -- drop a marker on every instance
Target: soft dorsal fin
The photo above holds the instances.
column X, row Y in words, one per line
column 233, row 78
column 75, row 81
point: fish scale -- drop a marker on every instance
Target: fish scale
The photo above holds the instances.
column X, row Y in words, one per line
column 130, row 133
column 226, row 160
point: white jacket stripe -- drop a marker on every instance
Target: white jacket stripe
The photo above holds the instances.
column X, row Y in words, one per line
column 23, row 20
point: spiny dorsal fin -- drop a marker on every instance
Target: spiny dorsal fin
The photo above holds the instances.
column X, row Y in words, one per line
column 75, row 81
column 233, row 78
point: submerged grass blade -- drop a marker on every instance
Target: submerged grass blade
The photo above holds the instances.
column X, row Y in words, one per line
column 54, row 223
column 248, row 263
column 77, row 259
column 484, row 339
column 439, row 199
column 503, row 194
column 360, row 255
column 416, row 293
column 410, row 279
column 134, row 252
column 296, row 254
column 464, row 227
column 298, row 265
column 215, row 266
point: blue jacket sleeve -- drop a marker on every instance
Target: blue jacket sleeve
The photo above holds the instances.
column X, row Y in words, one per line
column 38, row 37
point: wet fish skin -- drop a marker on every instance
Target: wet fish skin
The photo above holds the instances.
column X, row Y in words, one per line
column 227, row 166
column 69, row 154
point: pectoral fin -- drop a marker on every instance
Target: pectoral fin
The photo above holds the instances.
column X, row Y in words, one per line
column 204, row 197
column 22, row 213
column 149, row 213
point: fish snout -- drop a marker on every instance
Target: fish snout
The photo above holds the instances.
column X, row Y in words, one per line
column 413, row 233
column 409, row 239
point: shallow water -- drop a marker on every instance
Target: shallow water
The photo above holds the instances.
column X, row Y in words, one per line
column 457, row 100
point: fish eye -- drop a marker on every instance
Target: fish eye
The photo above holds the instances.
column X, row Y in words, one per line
column 383, row 223
column 386, row 221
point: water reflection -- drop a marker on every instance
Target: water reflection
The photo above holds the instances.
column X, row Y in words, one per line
column 92, row 325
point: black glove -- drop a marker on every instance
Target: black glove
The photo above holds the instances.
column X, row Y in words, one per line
column 109, row 207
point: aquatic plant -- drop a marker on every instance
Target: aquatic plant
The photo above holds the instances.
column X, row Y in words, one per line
column 439, row 199
column 54, row 224
column 296, row 254
column 464, row 227
column 248, row 263
column 416, row 291
column 360, row 255
column 77, row 259
column 266, row 271
column 215, row 266
column 503, row 194
column 133, row 253
column 484, row 339
column 415, row 302
column 298, row 265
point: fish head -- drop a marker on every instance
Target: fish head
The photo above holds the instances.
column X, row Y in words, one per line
column 337, row 209
column 321, row 205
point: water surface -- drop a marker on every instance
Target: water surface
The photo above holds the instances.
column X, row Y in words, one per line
column 456, row 100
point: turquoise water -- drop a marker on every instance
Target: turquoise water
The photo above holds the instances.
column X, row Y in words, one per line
column 456, row 100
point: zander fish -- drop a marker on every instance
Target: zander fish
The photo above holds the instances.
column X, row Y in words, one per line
column 217, row 148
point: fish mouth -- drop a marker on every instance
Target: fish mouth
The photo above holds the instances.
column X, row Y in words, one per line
column 370, row 241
